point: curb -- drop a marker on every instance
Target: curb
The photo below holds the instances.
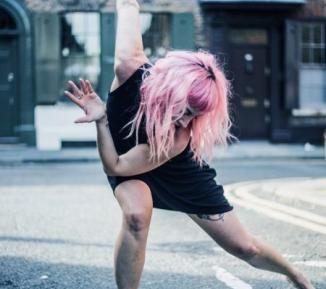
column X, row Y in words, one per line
column 48, row 161
column 97, row 159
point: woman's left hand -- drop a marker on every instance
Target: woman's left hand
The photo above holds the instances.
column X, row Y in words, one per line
column 87, row 99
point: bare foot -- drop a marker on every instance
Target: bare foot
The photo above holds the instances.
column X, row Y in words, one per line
column 299, row 281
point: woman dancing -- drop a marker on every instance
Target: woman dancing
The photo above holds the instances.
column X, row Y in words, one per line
column 158, row 123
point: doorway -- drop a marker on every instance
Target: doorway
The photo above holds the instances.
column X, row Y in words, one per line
column 8, row 95
column 8, row 69
column 249, row 63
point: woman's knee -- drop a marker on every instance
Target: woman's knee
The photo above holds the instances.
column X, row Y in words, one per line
column 245, row 250
column 137, row 221
column 136, row 203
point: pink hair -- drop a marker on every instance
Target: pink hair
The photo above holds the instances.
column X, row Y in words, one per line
column 181, row 79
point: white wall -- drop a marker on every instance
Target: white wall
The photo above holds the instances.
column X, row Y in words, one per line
column 55, row 123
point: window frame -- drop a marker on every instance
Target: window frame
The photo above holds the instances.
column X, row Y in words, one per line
column 297, row 110
column 153, row 57
column 311, row 45
column 83, row 57
column 9, row 30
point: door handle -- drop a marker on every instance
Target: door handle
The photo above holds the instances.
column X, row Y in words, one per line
column 11, row 101
column 11, row 77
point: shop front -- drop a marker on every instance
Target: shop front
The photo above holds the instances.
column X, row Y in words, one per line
column 275, row 58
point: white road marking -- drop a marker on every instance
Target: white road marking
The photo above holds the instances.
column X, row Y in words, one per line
column 304, row 190
column 218, row 249
column 320, row 264
column 278, row 215
column 306, row 199
column 244, row 194
column 229, row 279
column 239, row 195
column 44, row 277
column 298, row 189
column 291, row 256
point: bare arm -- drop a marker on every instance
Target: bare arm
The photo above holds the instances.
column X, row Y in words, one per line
column 129, row 51
column 136, row 160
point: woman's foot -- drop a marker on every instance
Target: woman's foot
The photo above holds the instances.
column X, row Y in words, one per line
column 299, row 281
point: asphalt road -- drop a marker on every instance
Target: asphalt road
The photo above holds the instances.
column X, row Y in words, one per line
column 58, row 224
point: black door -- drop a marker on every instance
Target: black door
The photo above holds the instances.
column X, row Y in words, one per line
column 7, row 86
column 249, row 66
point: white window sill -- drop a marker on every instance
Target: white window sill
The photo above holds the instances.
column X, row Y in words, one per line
column 302, row 112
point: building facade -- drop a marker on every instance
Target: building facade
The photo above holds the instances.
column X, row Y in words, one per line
column 45, row 43
column 273, row 51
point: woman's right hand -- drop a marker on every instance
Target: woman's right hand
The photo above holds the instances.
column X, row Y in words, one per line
column 87, row 99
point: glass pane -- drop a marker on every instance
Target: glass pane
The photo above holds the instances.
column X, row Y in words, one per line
column 80, row 47
column 317, row 30
column 93, row 25
column 248, row 36
column 305, row 55
column 77, row 21
column 156, row 37
column 92, row 46
column 92, row 70
column 317, row 55
column 6, row 21
column 305, row 33
column 312, row 88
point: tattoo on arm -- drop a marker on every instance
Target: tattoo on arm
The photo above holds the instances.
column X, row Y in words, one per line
column 219, row 217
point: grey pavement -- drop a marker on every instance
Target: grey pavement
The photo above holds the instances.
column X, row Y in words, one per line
column 59, row 223
column 19, row 153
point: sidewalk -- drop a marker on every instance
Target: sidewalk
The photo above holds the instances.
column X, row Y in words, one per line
column 19, row 153
column 265, row 149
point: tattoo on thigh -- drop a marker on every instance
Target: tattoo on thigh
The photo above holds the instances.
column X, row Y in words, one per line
column 219, row 217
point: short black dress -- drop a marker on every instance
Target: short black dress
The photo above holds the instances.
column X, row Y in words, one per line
column 179, row 184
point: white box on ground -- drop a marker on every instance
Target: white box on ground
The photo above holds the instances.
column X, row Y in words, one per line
column 55, row 123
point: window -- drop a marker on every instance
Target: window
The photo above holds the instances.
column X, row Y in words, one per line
column 312, row 72
column 155, row 28
column 248, row 36
column 312, row 40
column 6, row 21
column 80, row 47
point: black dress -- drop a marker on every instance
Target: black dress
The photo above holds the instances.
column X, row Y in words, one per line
column 179, row 184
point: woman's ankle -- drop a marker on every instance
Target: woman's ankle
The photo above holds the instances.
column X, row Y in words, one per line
column 299, row 280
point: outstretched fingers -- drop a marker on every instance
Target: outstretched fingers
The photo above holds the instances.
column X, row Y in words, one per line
column 89, row 86
column 75, row 89
column 86, row 118
column 83, row 86
column 74, row 98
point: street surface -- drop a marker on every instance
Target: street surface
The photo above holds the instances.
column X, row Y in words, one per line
column 58, row 224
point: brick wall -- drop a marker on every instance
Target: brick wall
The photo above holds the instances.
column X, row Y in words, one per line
column 172, row 6
column 314, row 8
column 148, row 5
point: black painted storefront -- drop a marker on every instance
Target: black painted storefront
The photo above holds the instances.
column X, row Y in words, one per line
column 252, row 41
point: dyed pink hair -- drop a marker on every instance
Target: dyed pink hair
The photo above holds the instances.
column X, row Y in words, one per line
column 181, row 79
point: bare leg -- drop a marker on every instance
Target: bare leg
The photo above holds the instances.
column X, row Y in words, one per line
column 135, row 200
column 228, row 232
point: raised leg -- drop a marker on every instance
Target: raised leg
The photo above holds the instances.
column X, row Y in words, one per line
column 136, row 203
column 228, row 232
